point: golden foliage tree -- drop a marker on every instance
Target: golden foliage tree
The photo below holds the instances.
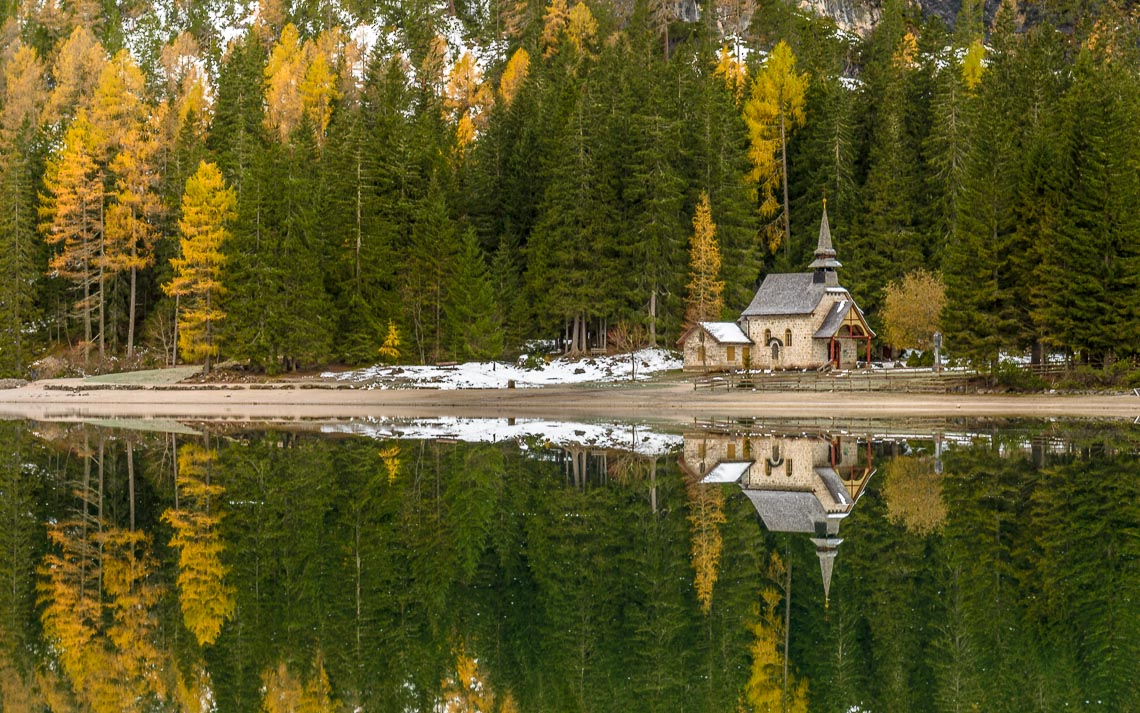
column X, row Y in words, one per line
column 734, row 72
column 706, row 292
column 773, row 111
column 208, row 206
column 71, row 214
column 284, row 692
column 390, row 349
column 76, row 70
column 131, row 221
column 912, row 309
column 390, row 457
column 468, row 97
column 706, row 515
column 772, row 687
column 300, row 81
column 974, row 64
column 913, row 493
column 514, row 75
column 25, row 90
column 467, row 690
column 207, row 599
column 554, row 20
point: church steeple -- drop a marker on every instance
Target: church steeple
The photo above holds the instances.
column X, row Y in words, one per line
column 825, row 263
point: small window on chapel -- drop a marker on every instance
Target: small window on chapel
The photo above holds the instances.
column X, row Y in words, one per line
column 730, row 353
column 732, row 451
column 787, row 337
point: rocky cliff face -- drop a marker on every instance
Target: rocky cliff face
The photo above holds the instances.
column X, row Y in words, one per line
column 855, row 16
column 861, row 16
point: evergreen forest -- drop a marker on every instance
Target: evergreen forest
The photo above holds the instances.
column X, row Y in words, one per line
column 293, row 184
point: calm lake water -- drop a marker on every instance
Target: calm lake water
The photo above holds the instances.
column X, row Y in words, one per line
column 519, row 566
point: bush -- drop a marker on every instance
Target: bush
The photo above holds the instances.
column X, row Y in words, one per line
column 1016, row 378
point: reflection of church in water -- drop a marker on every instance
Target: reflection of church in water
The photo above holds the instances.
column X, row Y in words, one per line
column 797, row 484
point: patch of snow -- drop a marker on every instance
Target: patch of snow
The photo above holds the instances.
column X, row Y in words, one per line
column 726, row 332
column 627, row 437
column 727, row 472
column 495, row 375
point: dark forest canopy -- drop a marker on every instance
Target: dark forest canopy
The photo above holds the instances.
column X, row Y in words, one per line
column 453, row 179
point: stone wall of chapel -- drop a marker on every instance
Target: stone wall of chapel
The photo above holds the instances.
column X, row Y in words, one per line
column 802, row 353
column 716, row 354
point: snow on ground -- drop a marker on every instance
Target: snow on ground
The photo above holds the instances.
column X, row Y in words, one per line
column 495, row 375
column 635, row 438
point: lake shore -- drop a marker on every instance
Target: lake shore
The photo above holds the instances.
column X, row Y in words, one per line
column 667, row 402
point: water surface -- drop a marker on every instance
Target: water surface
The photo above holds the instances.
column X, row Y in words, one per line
column 466, row 565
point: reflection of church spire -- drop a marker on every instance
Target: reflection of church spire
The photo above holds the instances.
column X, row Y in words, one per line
column 826, row 548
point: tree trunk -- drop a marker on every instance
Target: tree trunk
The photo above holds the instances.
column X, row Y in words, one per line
column 131, row 316
column 784, row 178
column 653, row 317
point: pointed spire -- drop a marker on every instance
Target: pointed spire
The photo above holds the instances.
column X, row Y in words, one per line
column 826, row 549
column 824, row 252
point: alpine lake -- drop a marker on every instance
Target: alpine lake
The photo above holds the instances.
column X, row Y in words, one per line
column 509, row 566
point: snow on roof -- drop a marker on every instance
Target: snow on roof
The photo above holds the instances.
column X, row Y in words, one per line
column 726, row 332
column 729, row 472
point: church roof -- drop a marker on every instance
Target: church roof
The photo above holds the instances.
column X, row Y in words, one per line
column 788, row 510
column 785, row 293
column 835, row 317
column 726, row 332
column 727, row 472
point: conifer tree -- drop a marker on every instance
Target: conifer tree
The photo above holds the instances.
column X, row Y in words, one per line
column 71, row 212
column 705, row 301
column 208, row 207
column 475, row 331
column 20, row 253
column 775, row 108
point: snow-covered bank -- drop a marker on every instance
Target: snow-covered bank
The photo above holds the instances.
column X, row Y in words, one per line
column 635, row 438
column 495, row 375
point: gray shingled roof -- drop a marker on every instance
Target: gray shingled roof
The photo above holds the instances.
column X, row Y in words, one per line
column 824, row 251
column 834, row 319
column 787, row 510
column 786, row 293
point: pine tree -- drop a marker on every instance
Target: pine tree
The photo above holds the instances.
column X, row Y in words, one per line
column 208, row 207
column 20, row 256
column 475, row 330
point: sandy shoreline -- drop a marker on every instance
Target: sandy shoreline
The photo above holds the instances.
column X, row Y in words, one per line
column 670, row 402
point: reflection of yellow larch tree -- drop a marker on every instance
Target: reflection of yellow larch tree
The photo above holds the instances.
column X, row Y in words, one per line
column 913, row 492
column 771, row 688
column 284, row 692
column 466, row 690
column 706, row 515
column 207, row 599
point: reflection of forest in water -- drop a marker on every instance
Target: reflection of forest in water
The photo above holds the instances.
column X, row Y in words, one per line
column 284, row 571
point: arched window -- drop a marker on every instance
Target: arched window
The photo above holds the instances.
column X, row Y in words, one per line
column 787, row 337
column 767, row 337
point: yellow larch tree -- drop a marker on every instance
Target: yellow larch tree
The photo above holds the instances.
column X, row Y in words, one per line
column 76, row 72
column 284, row 73
column 300, row 81
column 206, row 598
column 130, row 141
column 390, row 457
column 706, row 291
column 734, row 73
column 468, row 98
column 71, row 219
column 912, row 309
column 974, row 64
column 25, row 90
column 581, row 28
column 466, row 689
column 514, row 74
column 208, row 206
column 554, row 20
column 775, row 108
